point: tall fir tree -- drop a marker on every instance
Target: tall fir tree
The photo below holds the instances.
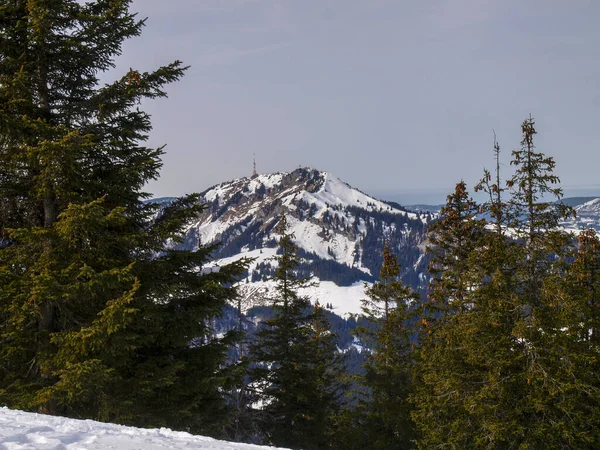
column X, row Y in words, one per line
column 535, row 211
column 584, row 332
column 534, row 207
column 99, row 318
column 387, row 422
column 555, row 371
column 451, row 241
column 444, row 375
column 507, row 368
column 297, row 367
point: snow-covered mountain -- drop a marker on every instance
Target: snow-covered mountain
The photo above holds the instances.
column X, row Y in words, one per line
column 28, row 431
column 338, row 229
column 587, row 216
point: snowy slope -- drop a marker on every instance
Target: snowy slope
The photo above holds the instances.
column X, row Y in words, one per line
column 344, row 300
column 339, row 231
column 28, row 431
column 307, row 196
column 587, row 215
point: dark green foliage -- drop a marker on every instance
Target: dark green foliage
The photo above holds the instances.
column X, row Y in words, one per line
column 99, row 318
column 297, row 365
column 452, row 239
column 342, row 328
column 506, row 357
column 531, row 186
column 382, row 417
column 442, row 373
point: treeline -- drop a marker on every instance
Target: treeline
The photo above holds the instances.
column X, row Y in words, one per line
column 103, row 316
column 508, row 338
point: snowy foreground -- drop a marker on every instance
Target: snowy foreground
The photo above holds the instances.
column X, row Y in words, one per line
column 27, row 431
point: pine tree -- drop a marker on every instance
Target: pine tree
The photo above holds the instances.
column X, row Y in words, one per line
column 585, row 281
column 506, row 363
column 532, row 186
column 297, row 367
column 585, row 333
column 541, row 313
column 444, row 374
column 550, row 315
column 534, row 212
column 99, row 317
column 452, row 241
column 387, row 423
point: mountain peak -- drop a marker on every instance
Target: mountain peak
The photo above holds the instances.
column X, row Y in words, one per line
column 313, row 186
column 339, row 230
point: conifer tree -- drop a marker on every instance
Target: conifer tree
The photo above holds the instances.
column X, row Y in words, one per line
column 533, row 187
column 451, row 242
column 297, row 367
column 387, row 423
column 507, row 368
column 534, row 212
column 444, row 375
column 99, row 317
column 584, row 332
column 550, row 313
column 585, row 281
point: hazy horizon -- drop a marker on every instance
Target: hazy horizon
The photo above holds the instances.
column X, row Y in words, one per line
column 417, row 196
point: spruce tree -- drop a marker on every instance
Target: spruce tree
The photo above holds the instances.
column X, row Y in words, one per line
column 550, row 314
column 451, row 241
column 534, row 207
column 296, row 362
column 99, row 317
column 388, row 369
column 585, row 333
column 585, row 281
column 506, row 366
column 534, row 212
column 445, row 377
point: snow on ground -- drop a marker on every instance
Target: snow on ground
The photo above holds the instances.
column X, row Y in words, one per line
column 268, row 180
column 259, row 255
column 27, row 431
column 344, row 299
column 307, row 235
column 587, row 216
column 210, row 231
column 336, row 192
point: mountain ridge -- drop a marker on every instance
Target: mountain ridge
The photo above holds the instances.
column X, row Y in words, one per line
column 339, row 231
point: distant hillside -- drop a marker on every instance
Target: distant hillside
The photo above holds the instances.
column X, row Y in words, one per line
column 339, row 231
column 161, row 200
column 433, row 209
column 587, row 214
column 576, row 201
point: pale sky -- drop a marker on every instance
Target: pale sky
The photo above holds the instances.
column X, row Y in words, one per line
column 396, row 97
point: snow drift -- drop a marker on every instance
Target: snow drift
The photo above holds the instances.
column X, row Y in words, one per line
column 29, row 431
